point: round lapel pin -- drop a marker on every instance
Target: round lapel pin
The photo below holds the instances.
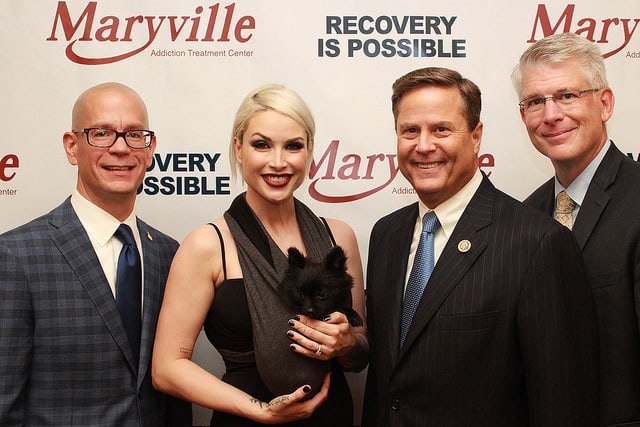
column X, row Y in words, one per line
column 464, row 246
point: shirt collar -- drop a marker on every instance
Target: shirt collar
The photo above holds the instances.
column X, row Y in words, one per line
column 577, row 190
column 99, row 224
column 450, row 211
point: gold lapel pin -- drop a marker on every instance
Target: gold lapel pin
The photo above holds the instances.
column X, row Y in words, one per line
column 464, row 246
column 149, row 236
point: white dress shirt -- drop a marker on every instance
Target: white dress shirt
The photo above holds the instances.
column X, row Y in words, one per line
column 448, row 213
column 100, row 227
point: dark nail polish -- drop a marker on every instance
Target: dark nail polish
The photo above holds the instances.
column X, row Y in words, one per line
column 327, row 318
column 292, row 348
column 297, row 318
column 306, row 389
column 290, row 334
column 290, row 323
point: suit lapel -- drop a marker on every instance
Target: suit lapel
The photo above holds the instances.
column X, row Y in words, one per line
column 402, row 232
column 152, row 294
column 453, row 264
column 70, row 237
column 544, row 198
column 596, row 199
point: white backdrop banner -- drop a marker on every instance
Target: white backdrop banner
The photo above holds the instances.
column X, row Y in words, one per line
column 193, row 62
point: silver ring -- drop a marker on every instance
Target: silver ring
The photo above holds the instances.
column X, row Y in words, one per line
column 319, row 350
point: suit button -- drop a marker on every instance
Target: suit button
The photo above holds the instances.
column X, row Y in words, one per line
column 395, row 404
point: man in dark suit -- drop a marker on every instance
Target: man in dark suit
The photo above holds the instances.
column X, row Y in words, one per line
column 501, row 333
column 602, row 184
column 65, row 354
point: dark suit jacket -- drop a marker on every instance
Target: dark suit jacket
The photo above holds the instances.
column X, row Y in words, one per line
column 502, row 334
column 608, row 231
column 65, row 358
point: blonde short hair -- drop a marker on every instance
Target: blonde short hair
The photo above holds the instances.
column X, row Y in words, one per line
column 277, row 98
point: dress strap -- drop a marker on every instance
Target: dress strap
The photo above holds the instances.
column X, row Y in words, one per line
column 326, row 224
column 224, row 257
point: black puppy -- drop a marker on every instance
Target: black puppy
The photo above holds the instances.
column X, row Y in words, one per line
column 317, row 289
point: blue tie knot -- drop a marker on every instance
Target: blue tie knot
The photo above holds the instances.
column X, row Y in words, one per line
column 125, row 235
column 429, row 222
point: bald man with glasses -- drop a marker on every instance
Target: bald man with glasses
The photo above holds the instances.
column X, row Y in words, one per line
column 81, row 286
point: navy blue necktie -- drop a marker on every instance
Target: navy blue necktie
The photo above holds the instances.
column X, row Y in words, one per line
column 129, row 287
column 420, row 272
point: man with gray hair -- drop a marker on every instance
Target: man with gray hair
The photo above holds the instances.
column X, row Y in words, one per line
column 565, row 102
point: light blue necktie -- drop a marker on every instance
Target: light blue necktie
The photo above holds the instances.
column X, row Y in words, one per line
column 129, row 287
column 420, row 272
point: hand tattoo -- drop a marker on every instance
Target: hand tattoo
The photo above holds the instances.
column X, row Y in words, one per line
column 274, row 402
column 278, row 400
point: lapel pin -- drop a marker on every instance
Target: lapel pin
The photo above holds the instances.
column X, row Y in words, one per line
column 149, row 236
column 464, row 246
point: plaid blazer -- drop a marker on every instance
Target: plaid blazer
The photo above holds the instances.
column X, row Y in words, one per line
column 65, row 358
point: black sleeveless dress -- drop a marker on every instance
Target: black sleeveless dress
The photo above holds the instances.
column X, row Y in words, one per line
column 228, row 328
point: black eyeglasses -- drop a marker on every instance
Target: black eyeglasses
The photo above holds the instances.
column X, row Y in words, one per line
column 104, row 138
column 562, row 99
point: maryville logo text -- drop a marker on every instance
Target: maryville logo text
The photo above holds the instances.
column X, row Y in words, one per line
column 9, row 164
column 371, row 173
column 134, row 34
column 614, row 32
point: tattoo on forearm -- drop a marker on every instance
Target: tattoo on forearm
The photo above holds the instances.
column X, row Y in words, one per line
column 258, row 401
column 186, row 350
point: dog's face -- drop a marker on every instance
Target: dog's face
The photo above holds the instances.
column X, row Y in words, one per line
column 317, row 289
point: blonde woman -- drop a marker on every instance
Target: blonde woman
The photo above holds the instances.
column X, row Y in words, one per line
column 224, row 275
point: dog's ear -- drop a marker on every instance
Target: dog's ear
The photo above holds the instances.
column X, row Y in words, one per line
column 336, row 260
column 296, row 258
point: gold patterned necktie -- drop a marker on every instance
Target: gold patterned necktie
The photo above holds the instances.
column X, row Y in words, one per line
column 564, row 209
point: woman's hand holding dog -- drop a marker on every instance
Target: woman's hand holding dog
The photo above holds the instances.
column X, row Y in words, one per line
column 322, row 339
